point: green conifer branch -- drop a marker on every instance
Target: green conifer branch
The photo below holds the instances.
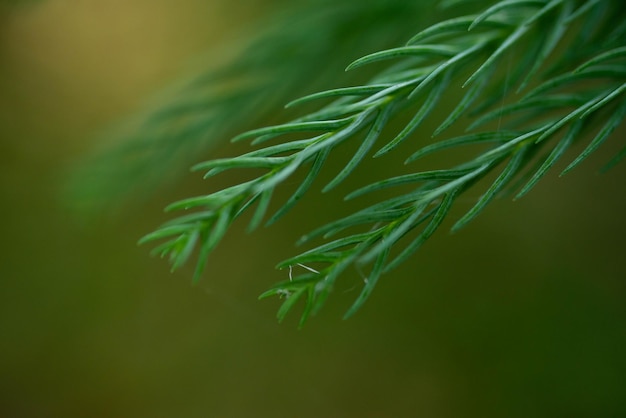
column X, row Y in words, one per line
column 555, row 99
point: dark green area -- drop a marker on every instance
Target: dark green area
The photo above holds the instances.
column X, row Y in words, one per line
column 519, row 314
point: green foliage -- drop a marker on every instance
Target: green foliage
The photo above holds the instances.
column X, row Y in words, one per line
column 567, row 83
column 281, row 61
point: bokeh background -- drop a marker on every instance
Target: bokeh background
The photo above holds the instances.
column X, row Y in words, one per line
column 521, row 314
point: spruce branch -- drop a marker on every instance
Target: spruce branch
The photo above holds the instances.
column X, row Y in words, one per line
column 552, row 101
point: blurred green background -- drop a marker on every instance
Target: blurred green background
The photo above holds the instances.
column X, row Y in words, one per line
column 521, row 314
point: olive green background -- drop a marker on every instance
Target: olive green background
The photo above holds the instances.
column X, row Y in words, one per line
column 521, row 314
